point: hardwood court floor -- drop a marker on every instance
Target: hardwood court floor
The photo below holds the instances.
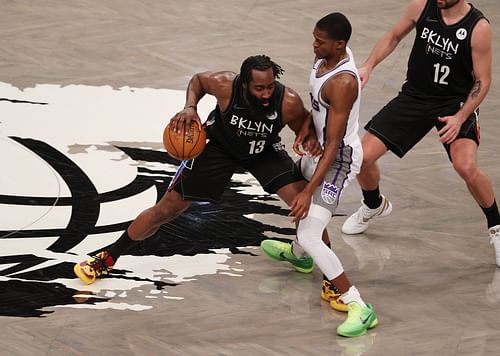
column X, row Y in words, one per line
column 86, row 88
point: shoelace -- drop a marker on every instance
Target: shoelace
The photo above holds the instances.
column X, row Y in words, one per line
column 370, row 213
column 361, row 215
column 354, row 312
column 364, row 214
column 99, row 265
column 335, row 297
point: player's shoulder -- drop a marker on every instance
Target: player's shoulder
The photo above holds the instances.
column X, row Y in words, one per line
column 217, row 83
column 415, row 9
column 481, row 36
column 339, row 86
column 344, row 80
column 482, row 26
column 288, row 91
column 291, row 97
column 481, row 31
column 223, row 76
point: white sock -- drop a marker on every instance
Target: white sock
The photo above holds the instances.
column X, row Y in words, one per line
column 352, row 295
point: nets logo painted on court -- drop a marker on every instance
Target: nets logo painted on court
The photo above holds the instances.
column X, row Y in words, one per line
column 66, row 197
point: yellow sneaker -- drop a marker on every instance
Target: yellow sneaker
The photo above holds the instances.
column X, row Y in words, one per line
column 333, row 298
column 94, row 267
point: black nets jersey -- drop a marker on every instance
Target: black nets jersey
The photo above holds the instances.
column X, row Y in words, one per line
column 440, row 63
column 245, row 132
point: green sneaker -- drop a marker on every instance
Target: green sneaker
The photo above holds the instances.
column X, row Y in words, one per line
column 358, row 321
column 281, row 251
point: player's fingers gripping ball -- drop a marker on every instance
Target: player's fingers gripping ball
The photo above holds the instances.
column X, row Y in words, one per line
column 187, row 144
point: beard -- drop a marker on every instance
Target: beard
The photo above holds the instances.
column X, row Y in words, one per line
column 448, row 4
column 255, row 105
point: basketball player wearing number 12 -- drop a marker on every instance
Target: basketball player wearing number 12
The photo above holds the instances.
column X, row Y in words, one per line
column 448, row 76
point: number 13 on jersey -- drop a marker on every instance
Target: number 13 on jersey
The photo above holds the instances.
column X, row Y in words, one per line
column 257, row 146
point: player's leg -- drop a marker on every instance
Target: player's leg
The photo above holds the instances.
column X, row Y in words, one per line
column 202, row 179
column 145, row 225
column 278, row 174
column 327, row 196
column 464, row 158
column 369, row 175
column 361, row 316
column 296, row 255
column 396, row 127
column 463, row 153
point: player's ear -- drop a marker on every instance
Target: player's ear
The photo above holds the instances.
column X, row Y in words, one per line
column 340, row 44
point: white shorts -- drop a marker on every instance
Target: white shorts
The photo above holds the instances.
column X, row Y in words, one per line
column 345, row 168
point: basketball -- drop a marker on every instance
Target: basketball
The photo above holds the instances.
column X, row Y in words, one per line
column 187, row 144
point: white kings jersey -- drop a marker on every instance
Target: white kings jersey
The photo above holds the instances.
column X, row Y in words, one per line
column 320, row 108
column 351, row 142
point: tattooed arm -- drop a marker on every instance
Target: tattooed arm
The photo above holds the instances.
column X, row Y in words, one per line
column 481, row 59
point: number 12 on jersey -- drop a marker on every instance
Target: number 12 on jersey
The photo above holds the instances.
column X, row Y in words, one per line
column 441, row 72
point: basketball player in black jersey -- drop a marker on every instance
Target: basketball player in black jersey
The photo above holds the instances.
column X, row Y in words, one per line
column 449, row 74
column 251, row 110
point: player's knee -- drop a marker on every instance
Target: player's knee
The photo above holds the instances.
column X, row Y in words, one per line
column 465, row 169
column 289, row 191
column 310, row 229
column 309, row 235
column 373, row 149
column 163, row 213
column 370, row 158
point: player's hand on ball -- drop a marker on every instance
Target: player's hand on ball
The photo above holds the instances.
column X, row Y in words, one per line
column 184, row 118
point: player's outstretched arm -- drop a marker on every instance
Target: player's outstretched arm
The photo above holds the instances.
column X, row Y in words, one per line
column 390, row 40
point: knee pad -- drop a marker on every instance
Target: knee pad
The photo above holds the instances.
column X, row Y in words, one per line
column 311, row 227
column 309, row 234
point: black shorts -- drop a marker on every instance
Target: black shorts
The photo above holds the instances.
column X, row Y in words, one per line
column 205, row 177
column 405, row 120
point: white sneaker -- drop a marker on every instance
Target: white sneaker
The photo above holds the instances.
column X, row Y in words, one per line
column 495, row 241
column 358, row 222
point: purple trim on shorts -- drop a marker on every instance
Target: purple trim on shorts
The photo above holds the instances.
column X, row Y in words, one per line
column 326, row 123
column 177, row 175
column 341, row 148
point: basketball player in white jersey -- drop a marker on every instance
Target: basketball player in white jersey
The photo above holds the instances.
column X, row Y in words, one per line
column 335, row 91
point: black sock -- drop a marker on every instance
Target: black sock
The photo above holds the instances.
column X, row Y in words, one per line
column 492, row 215
column 120, row 246
column 372, row 198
